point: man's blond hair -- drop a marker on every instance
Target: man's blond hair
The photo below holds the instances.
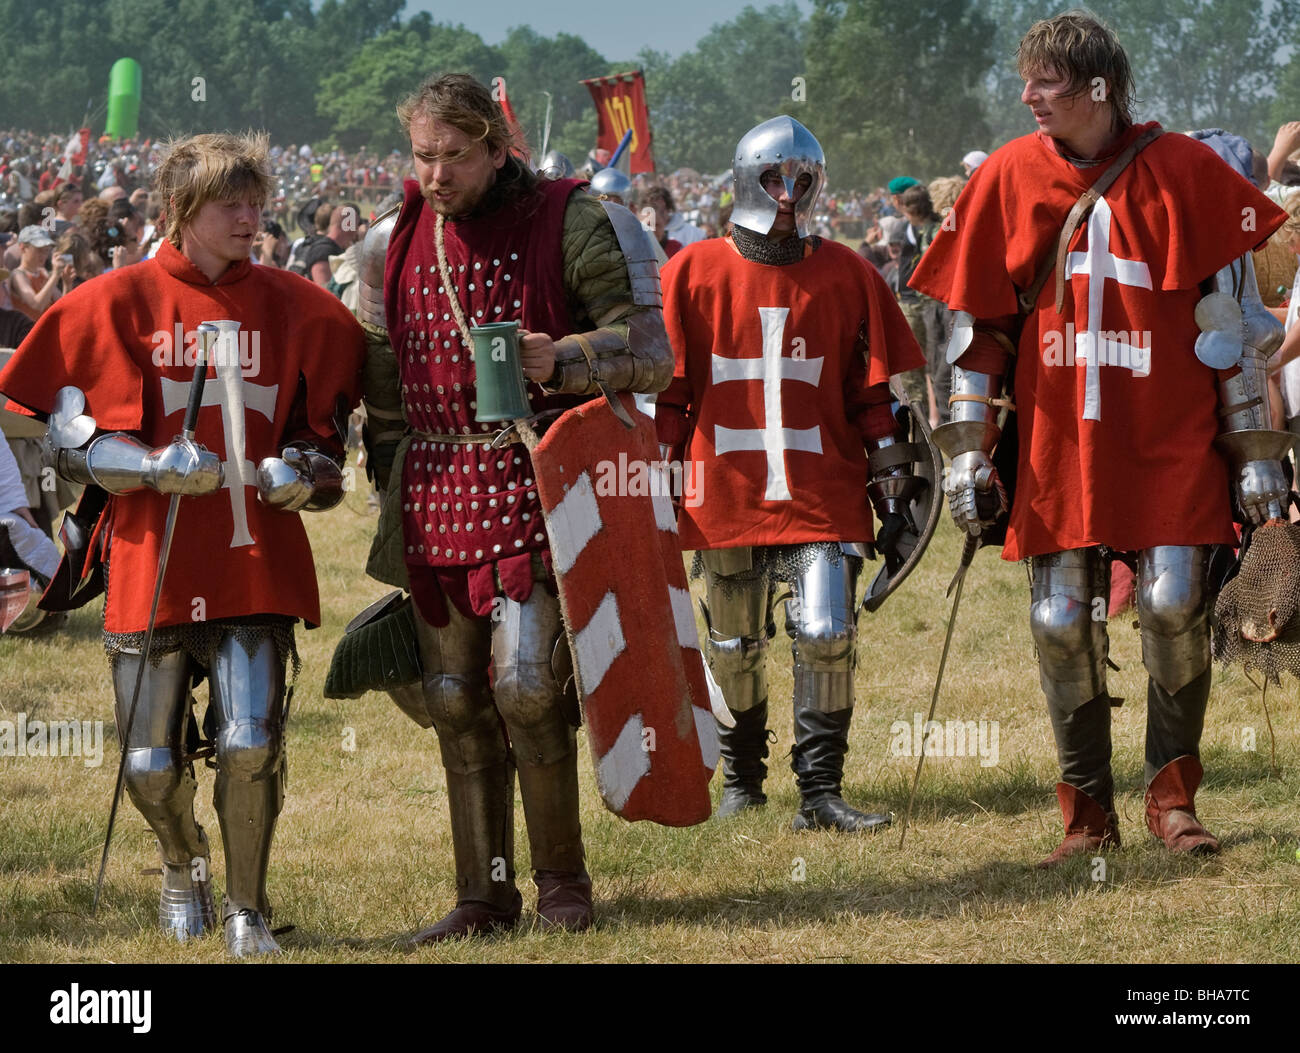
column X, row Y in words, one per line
column 211, row 167
column 1081, row 49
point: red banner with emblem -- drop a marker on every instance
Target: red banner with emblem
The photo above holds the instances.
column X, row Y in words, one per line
column 620, row 105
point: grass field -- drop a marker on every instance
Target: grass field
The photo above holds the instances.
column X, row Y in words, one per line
column 363, row 854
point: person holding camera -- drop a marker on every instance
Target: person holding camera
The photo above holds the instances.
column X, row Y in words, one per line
column 34, row 286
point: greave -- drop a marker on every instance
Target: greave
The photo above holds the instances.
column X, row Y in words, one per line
column 483, row 833
column 1067, row 616
column 550, row 797
column 529, row 697
column 248, row 693
column 1174, row 614
column 162, row 786
column 822, row 625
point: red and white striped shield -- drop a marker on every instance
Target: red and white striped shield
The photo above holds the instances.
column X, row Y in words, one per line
column 628, row 614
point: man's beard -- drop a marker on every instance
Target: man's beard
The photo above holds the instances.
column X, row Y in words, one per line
column 466, row 203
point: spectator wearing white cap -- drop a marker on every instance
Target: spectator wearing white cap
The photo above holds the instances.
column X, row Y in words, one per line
column 973, row 160
column 31, row 287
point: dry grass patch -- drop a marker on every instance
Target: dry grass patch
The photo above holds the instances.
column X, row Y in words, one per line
column 363, row 853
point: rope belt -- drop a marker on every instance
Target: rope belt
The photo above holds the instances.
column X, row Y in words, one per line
column 485, row 439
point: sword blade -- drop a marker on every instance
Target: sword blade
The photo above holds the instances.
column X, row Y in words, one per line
column 208, row 331
column 958, row 581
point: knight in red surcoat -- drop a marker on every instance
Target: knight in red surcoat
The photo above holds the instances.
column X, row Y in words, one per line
column 780, row 404
column 1103, row 267
column 112, row 364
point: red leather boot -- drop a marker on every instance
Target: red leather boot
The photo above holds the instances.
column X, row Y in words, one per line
column 1088, row 826
column 1171, row 811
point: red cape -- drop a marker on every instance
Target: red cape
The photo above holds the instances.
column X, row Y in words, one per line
column 115, row 338
column 718, row 306
column 1119, row 453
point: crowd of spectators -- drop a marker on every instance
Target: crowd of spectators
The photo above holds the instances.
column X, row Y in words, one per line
column 72, row 208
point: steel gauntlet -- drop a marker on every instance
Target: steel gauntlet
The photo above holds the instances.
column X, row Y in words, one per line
column 976, row 497
column 299, row 479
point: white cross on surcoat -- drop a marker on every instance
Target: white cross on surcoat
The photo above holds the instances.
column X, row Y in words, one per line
column 235, row 398
column 1097, row 264
column 773, row 438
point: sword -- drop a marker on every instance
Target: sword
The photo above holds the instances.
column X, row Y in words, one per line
column 971, row 545
column 207, row 332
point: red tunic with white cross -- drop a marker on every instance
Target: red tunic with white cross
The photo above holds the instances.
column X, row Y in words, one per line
column 784, row 372
column 470, row 514
column 128, row 340
column 1116, row 415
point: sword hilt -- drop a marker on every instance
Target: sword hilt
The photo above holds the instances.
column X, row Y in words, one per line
column 207, row 334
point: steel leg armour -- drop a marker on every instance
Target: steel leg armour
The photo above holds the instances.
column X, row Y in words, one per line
column 821, row 622
column 737, row 611
column 1172, row 609
column 248, row 697
column 543, row 742
column 1069, row 626
column 738, row 614
column 480, row 774
column 162, row 786
column 1067, row 617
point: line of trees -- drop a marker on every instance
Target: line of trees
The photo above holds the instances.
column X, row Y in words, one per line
column 887, row 87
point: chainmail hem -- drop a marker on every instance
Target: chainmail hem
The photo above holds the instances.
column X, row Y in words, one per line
column 773, row 564
column 200, row 640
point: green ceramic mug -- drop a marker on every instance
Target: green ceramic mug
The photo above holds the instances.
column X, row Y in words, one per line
column 502, row 390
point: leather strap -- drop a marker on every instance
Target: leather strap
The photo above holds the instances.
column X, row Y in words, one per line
column 1056, row 261
column 1005, row 403
column 893, row 455
column 616, row 407
column 1228, row 411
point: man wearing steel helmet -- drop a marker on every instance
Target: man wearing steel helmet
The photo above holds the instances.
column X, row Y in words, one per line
column 784, row 346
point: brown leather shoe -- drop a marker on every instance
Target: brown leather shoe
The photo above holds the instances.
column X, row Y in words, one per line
column 1088, row 826
column 563, row 900
column 471, row 918
column 1171, row 811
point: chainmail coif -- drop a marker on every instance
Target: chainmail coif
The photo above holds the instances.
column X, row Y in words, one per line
column 758, row 248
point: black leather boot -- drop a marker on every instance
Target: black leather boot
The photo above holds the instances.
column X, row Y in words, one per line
column 820, row 742
column 743, row 749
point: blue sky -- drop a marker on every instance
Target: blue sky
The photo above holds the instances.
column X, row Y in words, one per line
column 615, row 28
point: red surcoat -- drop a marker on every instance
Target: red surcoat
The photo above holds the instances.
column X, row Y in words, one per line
column 299, row 369
column 1116, row 415
column 784, row 371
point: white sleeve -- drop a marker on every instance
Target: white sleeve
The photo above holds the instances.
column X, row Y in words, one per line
column 12, row 494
